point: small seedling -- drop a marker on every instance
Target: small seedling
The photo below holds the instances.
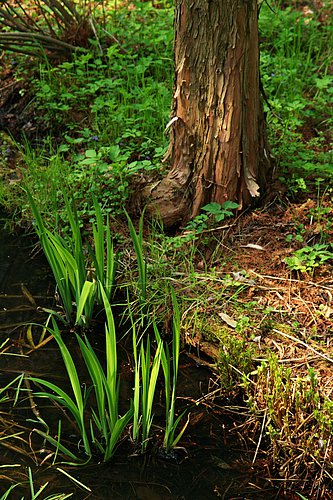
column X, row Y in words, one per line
column 307, row 258
column 217, row 212
column 221, row 212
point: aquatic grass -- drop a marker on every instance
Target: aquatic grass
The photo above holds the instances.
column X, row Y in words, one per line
column 58, row 446
column 137, row 239
column 33, row 493
column 105, row 426
column 170, row 437
column 75, row 407
column 146, row 372
column 106, row 387
column 145, row 379
column 75, row 244
column 149, row 374
column 137, row 388
column 19, row 380
column 5, row 496
column 56, row 263
column 109, row 425
column 76, row 271
column 86, row 303
column 111, row 359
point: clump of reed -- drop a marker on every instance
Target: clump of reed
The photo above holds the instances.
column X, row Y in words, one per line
column 101, row 432
column 104, row 429
column 78, row 268
column 85, row 277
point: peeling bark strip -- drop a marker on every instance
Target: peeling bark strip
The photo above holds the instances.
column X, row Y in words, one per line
column 217, row 147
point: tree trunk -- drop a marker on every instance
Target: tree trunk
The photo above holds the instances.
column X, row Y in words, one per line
column 218, row 147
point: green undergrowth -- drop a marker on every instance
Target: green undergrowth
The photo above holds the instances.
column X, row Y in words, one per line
column 296, row 76
column 100, row 118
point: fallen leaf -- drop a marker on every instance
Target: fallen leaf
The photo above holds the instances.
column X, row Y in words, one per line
column 227, row 319
column 252, row 245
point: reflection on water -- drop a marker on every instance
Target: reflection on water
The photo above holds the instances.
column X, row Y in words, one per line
column 207, row 466
column 25, row 282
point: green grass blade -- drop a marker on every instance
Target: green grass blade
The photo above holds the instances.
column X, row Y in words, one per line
column 136, row 396
column 111, row 263
column 74, row 381
column 116, row 434
column 53, row 257
column 70, row 367
column 173, row 441
column 137, row 240
column 149, row 379
column 86, row 302
column 153, row 377
column 36, row 213
column 98, row 378
column 165, row 361
column 61, row 447
column 76, row 239
column 176, row 334
column 36, row 494
column 111, row 358
column 98, row 233
column 9, row 491
column 60, row 396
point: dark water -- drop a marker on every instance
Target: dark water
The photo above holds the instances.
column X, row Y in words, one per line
column 25, row 281
column 208, row 465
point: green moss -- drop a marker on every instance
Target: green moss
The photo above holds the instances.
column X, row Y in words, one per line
column 236, row 353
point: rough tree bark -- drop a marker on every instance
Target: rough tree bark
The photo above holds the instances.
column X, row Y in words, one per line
column 218, row 148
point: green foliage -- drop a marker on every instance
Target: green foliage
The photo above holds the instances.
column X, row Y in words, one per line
column 76, row 273
column 296, row 412
column 108, row 109
column 215, row 211
column 235, row 361
column 102, row 116
column 221, row 212
column 294, row 65
column 299, row 231
column 308, row 258
column 125, row 97
column 101, row 433
column 105, row 426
